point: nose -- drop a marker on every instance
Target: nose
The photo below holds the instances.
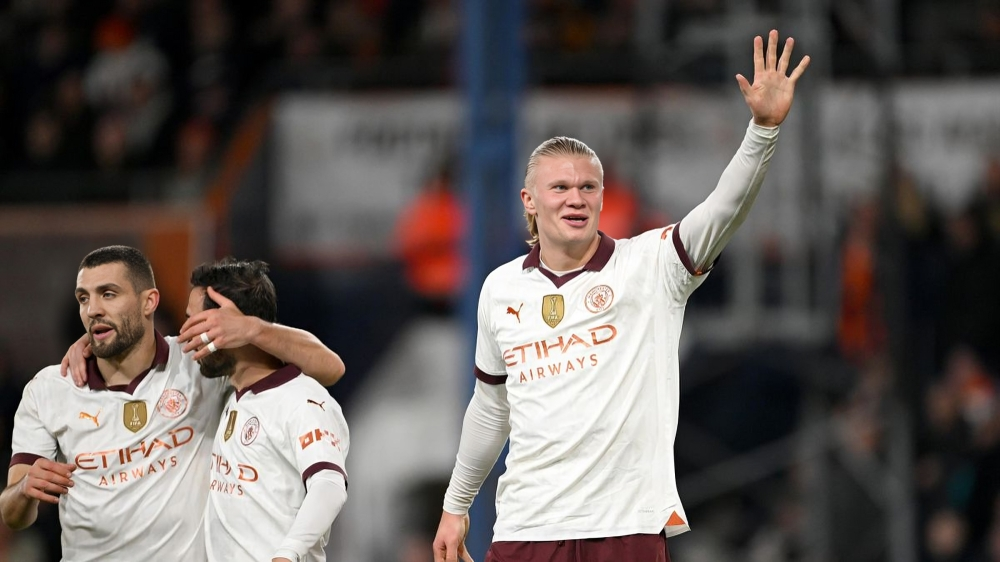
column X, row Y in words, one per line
column 574, row 198
column 94, row 309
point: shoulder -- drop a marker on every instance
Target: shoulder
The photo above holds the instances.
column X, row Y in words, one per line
column 303, row 393
column 50, row 378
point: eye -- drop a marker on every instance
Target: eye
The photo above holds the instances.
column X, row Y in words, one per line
column 589, row 187
column 108, row 295
column 82, row 299
column 559, row 187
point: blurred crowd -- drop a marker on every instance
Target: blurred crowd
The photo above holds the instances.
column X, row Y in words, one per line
column 110, row 86
column 112, row 100
column 947, row 364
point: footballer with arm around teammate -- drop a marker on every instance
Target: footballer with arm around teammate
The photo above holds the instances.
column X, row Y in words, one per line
column 585, row 382
column 126, row 458
column 278, row 479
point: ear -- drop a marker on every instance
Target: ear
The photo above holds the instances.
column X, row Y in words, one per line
column 150, row 300
column 528, row 201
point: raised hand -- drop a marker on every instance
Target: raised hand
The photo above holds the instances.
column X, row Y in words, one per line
column 770, row 96
column 224, row 327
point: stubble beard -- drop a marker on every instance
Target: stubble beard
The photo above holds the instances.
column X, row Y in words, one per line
column 127, row 335
column 218, row 364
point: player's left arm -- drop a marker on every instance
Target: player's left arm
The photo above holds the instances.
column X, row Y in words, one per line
column 228, row 328
column 707, row 229
column 326, row 493
column 319, row 441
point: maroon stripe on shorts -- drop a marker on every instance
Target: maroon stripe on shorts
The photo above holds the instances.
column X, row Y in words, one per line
column 644, row 548
column 488, row 378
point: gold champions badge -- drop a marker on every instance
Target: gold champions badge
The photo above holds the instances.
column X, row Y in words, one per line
column 134, row 416
column 553, row 309
column 230, row 426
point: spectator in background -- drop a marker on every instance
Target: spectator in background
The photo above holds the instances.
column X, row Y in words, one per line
column 76, row 118
column 195, row 145
column 129, row 75
column 970, row 307
column 860, row 332
column 619, row 216
column 43, row 140
column 429, row 235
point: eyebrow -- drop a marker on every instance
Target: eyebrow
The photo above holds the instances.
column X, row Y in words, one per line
column 101, row 288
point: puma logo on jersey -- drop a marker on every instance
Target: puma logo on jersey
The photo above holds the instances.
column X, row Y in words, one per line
column 93, row 418
column 516, row 313
column 320, row 404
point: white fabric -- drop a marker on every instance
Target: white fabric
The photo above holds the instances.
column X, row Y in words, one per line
column 137, row 496
column 325, row 497
column 484, row 433
column 593, row 402
column 256, row 486
column 707, row 229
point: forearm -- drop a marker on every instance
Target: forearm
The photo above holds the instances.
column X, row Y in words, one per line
column 18, row 510
column 326, row 496
column 484, row 432
column 300, row 348
column 707, row 229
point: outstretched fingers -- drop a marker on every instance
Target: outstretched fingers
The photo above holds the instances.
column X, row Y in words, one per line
column 786, row 55
column 758, row 55
column 744, row 84
column 803, row 64
column 772, row 50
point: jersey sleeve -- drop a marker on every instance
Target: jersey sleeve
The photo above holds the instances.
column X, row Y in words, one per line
column 490, row 367
column 319, row 437
column 31, row 439
column 673, row 268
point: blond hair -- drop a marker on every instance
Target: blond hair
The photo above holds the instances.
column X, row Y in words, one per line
column 556, row 146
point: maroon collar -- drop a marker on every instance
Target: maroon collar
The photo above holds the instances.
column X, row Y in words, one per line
column 601, row 257
column 274, row 380
column 96, row 380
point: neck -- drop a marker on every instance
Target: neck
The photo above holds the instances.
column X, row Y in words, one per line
column 566, row 258
column 252, row 365
column 124, row 368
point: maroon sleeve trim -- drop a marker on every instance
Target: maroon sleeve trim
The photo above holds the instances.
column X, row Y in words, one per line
column 24, row 458
column 682, row 253
column 488, row 378
column 320, row 466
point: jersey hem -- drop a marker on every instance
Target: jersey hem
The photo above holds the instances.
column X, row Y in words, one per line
column 670, row 531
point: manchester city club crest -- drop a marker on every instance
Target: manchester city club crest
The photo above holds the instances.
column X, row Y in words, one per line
column 553, row 309
column 599, row 298
column 134, row 415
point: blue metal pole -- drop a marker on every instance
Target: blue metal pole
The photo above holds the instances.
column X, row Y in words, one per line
column 492, row 71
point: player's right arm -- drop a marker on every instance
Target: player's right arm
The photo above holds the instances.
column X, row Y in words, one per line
column 484, row 433
column 27, row 485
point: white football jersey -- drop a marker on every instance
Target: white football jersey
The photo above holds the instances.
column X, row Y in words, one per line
column 142, row 454
column 273, row 436
column 589, row 360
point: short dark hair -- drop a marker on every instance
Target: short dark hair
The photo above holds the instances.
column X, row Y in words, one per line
column 137, row 268
column 244, row 282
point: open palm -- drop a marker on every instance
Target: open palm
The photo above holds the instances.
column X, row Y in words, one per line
column 770, row 96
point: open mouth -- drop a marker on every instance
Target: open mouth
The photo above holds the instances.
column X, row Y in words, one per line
column 576, row 220
column 101, row 332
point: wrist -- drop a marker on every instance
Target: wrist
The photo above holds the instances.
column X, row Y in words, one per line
column 257, row 330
